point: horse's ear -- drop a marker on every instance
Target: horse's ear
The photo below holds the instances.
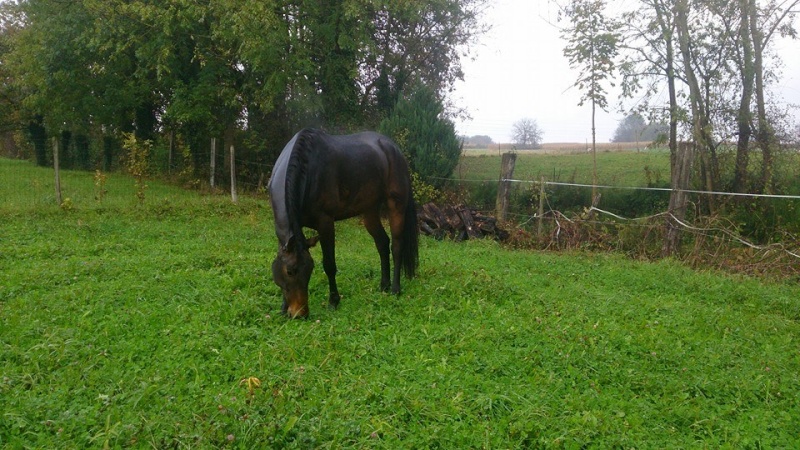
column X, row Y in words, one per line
column 312, row 241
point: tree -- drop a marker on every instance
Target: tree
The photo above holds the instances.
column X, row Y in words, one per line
column 591, row 48
column 425, row 135
column 526, row 133
column 633, row 128
column 251, row 71
column 477, row 141
column 706, row 52
column 9, row 103
column 415, row 41
column 773, row 21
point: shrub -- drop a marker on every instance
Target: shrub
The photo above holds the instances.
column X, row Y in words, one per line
column 427, row 138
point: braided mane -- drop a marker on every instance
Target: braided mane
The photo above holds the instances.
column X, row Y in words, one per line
column 299, row 181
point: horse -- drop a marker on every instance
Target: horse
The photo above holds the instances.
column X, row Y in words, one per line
column 319, row 179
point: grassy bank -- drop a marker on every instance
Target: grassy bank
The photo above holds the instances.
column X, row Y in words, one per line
column 157, row 326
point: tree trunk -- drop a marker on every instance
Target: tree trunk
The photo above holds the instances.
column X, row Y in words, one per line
column 595, row 198
column 234, row 194
column 213, row 169
column 743, row 116
column 700, row 122
column 108, row 152
column 764, row 132
column 171, row 158
column 38, row 137
column 680, row 157
column 678, row 199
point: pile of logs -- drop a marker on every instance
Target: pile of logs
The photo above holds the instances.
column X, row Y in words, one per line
column 459, row 223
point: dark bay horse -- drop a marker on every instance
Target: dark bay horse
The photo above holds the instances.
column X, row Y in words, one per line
column 319, row 179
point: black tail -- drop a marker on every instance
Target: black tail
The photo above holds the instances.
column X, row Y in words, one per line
column 409, row 251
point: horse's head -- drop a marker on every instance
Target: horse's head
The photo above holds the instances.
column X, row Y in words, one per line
column 291, row 271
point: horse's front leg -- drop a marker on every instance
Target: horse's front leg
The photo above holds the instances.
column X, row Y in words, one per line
column 327, row 240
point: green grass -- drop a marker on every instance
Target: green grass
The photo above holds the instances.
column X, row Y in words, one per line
column 613, row 168
column 135, row 326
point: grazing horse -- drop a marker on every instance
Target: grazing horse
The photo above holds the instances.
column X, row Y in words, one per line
column 319, row 179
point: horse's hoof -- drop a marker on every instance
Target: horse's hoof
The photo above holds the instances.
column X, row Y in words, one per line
column 333, row 302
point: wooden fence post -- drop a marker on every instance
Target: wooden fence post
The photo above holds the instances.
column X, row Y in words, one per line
column 234, row 195
column 541, row 207
column 213, row 160
column 57, row 171
column 171, row 157
column 504, row 188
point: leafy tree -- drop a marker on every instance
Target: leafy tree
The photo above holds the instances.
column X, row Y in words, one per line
column 633, row 128
column 527, row 134
column 592, row 45
column 9, row 103
column 416, row 41
column 425, row 135
column 254, row 71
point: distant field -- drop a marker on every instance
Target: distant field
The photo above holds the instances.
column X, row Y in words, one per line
column 559, row 148
column 617, row 165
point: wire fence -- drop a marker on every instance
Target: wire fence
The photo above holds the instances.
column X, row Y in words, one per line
column 252, row 175
column 710, row 228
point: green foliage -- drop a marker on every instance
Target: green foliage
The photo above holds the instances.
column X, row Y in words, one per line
column 103, row 344
column 426, row 137
column 424, row 192
column 592, row 45
column 99, row 67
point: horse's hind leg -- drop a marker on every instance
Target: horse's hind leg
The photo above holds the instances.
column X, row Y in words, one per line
column 372, row 221
column 396, row 223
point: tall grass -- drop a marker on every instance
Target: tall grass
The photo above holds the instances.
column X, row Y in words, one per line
column 158, row 326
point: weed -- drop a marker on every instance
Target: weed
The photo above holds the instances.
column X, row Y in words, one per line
column 137, row 162
column 100, row 180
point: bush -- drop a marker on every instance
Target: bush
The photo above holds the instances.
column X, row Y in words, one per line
column 428, row 139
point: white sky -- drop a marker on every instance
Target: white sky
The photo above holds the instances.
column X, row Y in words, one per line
column 519, row 71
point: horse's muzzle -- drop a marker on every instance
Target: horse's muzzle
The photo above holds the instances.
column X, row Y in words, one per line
column 300, row 312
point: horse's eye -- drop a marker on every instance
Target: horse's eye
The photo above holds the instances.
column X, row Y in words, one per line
column 291, row 272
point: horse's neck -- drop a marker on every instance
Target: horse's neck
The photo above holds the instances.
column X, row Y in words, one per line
column 277, row 190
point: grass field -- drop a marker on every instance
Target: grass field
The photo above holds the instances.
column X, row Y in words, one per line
column 615, row 167
column 157, row 326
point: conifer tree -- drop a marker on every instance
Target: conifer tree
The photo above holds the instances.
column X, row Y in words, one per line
column 427, row 138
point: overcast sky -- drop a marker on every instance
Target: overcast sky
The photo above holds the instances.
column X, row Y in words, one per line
column 519, row 71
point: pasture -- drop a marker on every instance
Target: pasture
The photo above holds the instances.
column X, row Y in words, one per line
column 615, row 166
column 157, row 326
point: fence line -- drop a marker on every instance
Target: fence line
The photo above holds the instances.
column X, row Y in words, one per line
column 682, row 223
column 705, row 231
column 634, row 188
